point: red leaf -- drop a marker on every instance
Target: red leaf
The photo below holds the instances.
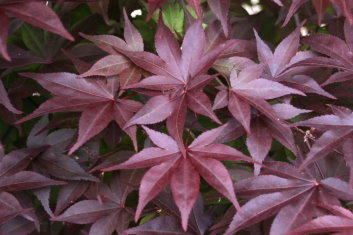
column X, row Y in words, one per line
column 162, row 225
column 38, row 14
column 108, row 66
column 220, row 9
column 324, row 224
column 217, row 176
column 155, row 110
column 86, row 211
column 25, row 180
column 132, row 36
column 196, row 5
column 4, row 21
column 153, row 182
column 260, row 208
column 259, row 143
column 4, row 100
column 185, row 185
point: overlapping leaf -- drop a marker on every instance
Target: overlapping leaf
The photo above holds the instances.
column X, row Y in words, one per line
column 181, row 167
column 32, row 12
column 179, row 78
column 94, row 98
column 107, row 211
column 289, row 194
column 116, row 64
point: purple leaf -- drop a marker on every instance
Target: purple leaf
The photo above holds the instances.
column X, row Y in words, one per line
column 38, row 14
column 162, row 225
column 26, row 180
column 259, row 143
column 155, row 110
column 132, row 36
column 69, row 193
column 86, row 211
column 185, row 184
column 220, row 9
column 288, row 111
column 4, row 21
column 108, row 66
column 324, row 224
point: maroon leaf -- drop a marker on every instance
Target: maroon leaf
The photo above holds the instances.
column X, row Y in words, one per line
column 38, row 14
column 155, row 110
column 105, row 225
column 4, row 100
column 4, row 21
column 181, row 166
column 324, row 224
column 43, row 195
column 259, row 208
column 220, row 9
column 86, row 211
column 92, row 97
column 153, row 182
column 108, row 66
column 160, row 225
column 18, row 160
column 259, row 143
column 26, row 180
column 132, row 36
column 18, row 225
column 69, row 193
column 184, row 178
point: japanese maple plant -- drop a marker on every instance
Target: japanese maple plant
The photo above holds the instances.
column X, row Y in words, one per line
column 176, row 117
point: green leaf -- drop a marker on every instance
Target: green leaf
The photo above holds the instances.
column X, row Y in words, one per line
column 34, row 39
column 173, row 17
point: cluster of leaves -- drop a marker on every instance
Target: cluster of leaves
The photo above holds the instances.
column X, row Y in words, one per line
column 194, row 117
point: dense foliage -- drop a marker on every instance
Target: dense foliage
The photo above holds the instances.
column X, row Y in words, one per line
column 176, row 117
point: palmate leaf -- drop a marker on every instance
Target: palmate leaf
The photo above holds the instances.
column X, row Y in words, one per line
column 278, row 65
column 338, row 51
column 340, row 222
column 91, row 97
column 286, row 192
column 320, row 6
column 116, row 64
column 179, row 78
column 32, row 12
column 337, row 131
column 104, row 207
column 247, row 90
column 25, row 180
column 181, row 167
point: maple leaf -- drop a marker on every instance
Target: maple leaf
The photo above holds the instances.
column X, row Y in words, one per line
column 339, row 53
column 182, row 169
column 104, row 207
column 343, row 7
column 116, row 64
column 246, row 90
column 280, row 64
column 341, row 221
column 220, row 9
column 32, row 12
column 199, row 219
column 9, row 207
column 179, row 78
column 263, row 130
column 337, row 131
column 95, row 98
column 52, row 161
column 284, row 191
